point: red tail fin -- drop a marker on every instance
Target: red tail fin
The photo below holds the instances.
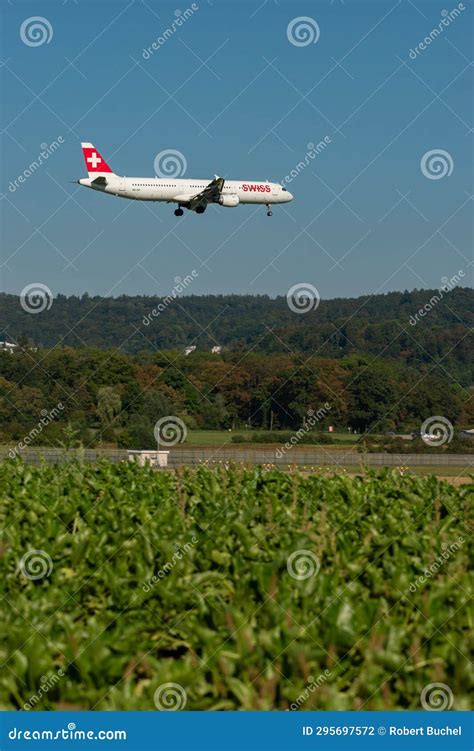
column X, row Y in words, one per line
column 95, row 163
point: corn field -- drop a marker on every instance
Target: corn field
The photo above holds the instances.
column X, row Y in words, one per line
column 230, row 588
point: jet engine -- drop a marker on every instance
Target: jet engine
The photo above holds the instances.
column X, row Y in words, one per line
column 230, row 201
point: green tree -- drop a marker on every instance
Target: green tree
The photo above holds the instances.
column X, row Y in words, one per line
column 373, row 396
column 109, row 405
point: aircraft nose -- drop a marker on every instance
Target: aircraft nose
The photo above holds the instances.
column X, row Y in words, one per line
column 289, row 196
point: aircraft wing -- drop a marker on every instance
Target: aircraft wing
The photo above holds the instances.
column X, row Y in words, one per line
column 210, row 194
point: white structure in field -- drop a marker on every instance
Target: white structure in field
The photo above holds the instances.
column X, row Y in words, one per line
column 216, row 350
column 154, row 458
column 189, row 349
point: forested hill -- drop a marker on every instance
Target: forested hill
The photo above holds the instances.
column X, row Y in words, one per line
column 387, row 325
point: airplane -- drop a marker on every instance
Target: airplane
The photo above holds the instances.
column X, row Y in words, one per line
column 194, row 195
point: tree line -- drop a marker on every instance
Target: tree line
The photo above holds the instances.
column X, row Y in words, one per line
column 420, row 328
column 109, row 397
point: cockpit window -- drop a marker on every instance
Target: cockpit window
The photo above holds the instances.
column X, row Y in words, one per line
column 284, row 189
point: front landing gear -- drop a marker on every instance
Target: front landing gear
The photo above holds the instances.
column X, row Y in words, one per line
column 178, row 212
column 269, row 211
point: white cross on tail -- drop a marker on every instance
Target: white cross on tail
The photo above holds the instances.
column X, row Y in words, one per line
column 94, row 160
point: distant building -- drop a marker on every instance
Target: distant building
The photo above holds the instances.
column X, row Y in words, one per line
column 8, row 347
column 156, row 459
column 216, row 350
column 190, row 349
column 11, row 348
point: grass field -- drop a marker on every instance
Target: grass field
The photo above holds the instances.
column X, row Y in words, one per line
column 125, row 588
column 211, row 437
column 223, row 437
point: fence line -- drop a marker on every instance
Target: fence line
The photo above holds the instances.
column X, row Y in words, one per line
column 179, row 457
column 182, row 457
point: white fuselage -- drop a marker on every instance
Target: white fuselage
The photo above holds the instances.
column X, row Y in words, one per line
column 179, row 191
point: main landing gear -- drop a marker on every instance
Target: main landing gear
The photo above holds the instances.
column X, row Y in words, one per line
column 269, row 211
column 199, row 210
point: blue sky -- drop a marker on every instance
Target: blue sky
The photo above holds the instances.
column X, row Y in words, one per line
column 231, row 92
